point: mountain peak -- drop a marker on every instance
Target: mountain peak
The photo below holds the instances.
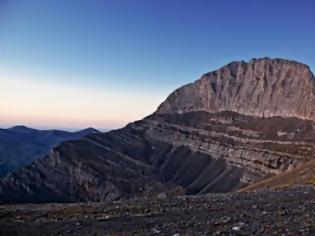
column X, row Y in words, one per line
column 263, row 87
column 21, row 129
column 89, row 130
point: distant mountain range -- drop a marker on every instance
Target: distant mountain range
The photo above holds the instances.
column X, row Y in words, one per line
column 20, row 145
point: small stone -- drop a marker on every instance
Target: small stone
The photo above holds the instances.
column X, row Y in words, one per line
column 102, row 218
column 283, row 213
column 236, row 228
column 156, row 231
column 222, row 220
column 226, row 219
column 161, row 196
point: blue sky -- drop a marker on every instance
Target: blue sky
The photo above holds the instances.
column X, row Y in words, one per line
column 135, row 51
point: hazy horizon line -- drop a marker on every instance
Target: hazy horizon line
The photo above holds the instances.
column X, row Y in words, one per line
column 63, row 128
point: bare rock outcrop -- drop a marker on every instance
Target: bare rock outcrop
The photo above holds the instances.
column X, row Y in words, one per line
column 262, row 87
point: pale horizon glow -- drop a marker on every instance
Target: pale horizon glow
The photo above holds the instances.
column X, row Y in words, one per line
column 35, row 102
column 75, row 64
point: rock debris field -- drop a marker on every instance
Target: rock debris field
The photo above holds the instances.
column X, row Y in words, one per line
column 288, row 211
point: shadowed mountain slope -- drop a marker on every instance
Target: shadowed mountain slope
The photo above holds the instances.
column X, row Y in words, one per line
column 21, row 145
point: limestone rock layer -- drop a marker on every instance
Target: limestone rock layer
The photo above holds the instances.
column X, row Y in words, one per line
column 262, row 88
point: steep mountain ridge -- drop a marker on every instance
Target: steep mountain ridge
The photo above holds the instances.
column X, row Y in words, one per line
column 262, row 87
column 194, row 143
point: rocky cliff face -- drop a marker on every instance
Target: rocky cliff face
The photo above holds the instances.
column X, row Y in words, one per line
column 262, row 87
column 215, row 135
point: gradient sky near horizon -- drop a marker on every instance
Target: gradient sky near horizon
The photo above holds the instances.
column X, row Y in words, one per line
column 79, row 63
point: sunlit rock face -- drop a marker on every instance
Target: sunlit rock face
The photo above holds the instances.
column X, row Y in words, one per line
column 262, row 87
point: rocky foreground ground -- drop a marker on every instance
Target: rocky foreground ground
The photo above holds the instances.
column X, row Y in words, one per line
column 269, row 212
